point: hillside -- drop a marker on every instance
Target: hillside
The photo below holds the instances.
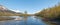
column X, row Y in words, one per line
column 6, row 12
column 51, row 13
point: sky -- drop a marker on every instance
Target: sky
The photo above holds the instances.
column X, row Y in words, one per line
column 31, row 6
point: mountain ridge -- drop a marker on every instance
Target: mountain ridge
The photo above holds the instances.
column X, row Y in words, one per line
column 6, row 11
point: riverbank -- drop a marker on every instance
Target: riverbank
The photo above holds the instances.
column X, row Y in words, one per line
column 51, row 14
column 54, row 21
column 3, row 18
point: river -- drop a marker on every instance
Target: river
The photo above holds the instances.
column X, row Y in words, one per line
column 30, row 20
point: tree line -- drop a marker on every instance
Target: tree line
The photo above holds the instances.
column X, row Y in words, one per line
column 52, row 12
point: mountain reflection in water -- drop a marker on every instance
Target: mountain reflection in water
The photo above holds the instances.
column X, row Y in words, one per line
column 30, row 20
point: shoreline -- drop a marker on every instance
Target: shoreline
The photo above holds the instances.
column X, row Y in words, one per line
column 54, row 21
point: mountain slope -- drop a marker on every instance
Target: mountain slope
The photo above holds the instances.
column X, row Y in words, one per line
column 6, row 12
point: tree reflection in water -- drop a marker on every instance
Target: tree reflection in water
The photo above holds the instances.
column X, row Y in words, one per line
column 25, row 19
column 52, row 22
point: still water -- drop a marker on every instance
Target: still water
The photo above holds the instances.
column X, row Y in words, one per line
column 30, row 20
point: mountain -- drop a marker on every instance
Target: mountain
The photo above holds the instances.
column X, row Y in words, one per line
column 5, row 11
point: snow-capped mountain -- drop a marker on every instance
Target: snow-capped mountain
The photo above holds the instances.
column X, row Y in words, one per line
column 4, row 9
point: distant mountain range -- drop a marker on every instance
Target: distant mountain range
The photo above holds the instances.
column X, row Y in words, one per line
column 6, row 11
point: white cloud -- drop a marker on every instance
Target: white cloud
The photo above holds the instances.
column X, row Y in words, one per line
column 37, row 11
column 15, row 10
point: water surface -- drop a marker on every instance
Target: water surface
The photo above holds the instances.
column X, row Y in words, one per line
column 30, row 20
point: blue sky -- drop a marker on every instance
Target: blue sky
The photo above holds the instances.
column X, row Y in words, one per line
column 31, row 6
